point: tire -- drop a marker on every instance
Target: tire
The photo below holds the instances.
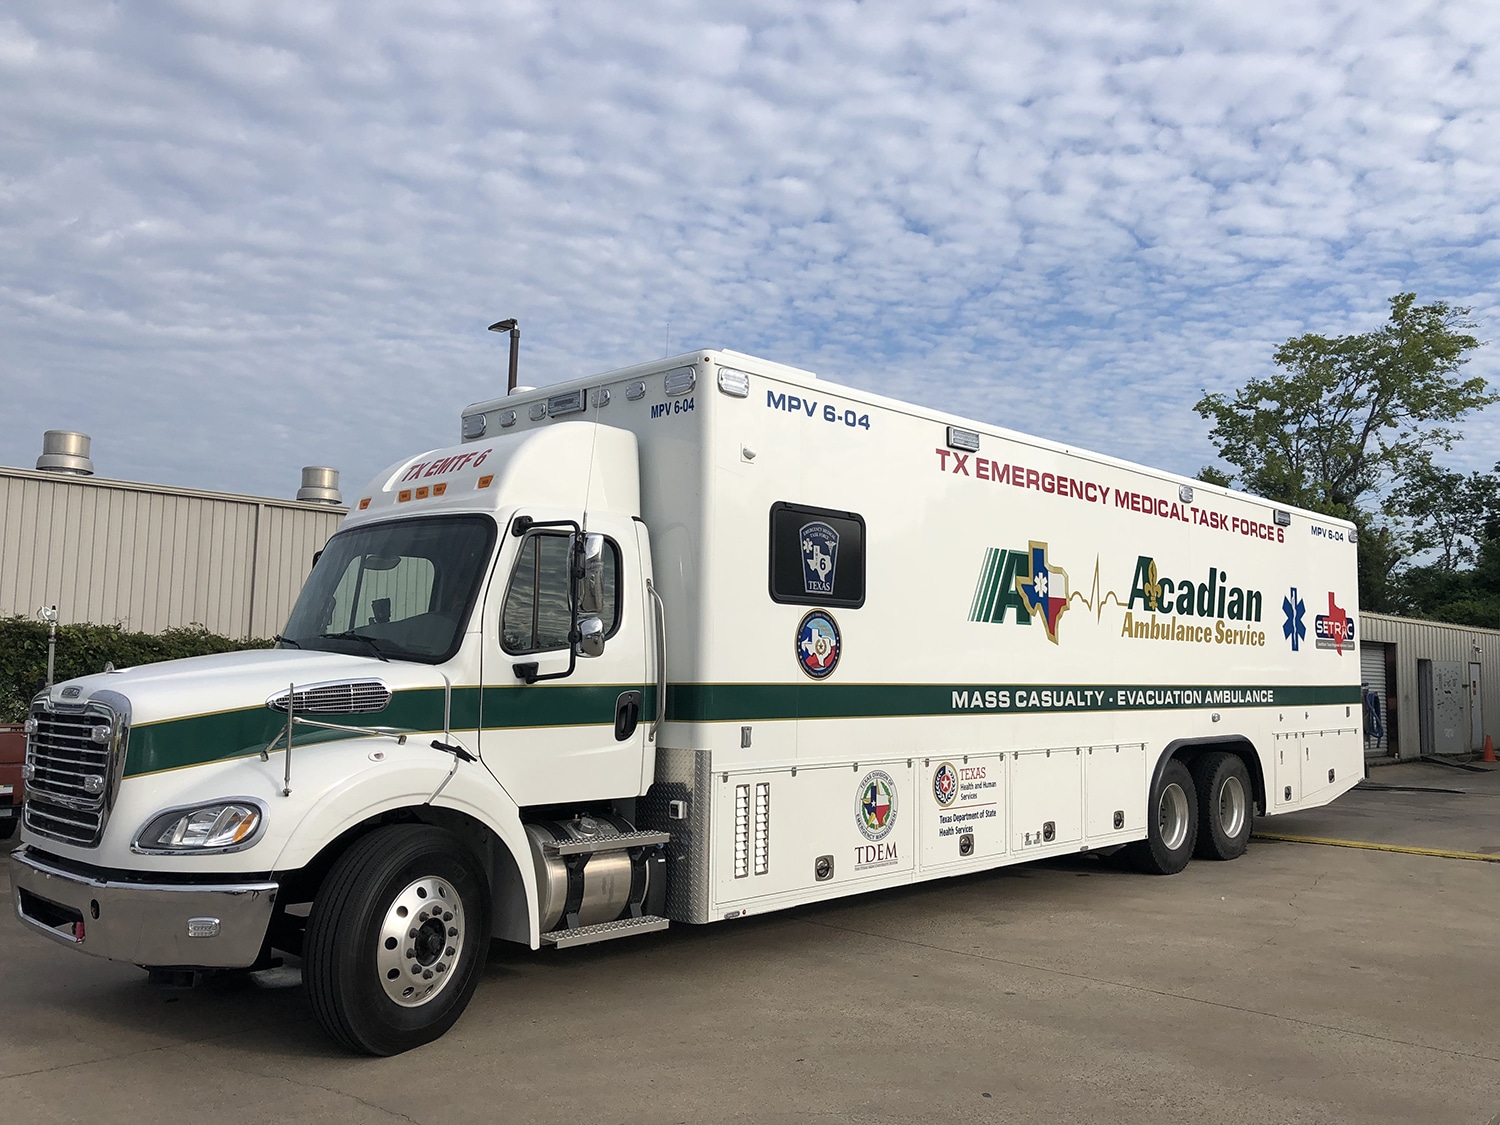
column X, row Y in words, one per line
column 1226, row 806
column 1171, row 824
column 372, row 987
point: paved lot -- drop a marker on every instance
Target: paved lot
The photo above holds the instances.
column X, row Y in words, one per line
column 1298, row 984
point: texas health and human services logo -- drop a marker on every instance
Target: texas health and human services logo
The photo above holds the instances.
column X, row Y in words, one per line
column 945, row 784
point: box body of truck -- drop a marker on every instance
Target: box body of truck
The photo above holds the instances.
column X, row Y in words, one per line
column 690, row 641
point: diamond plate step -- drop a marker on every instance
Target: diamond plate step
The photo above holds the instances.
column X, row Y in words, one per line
column 605, row 931
column 610, row 842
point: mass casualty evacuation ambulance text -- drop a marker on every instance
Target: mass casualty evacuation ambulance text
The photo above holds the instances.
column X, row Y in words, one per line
column 699, row 639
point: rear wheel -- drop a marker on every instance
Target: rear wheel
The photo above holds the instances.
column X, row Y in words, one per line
column 1172, row 824
column 396, row 939
column 1226, row 811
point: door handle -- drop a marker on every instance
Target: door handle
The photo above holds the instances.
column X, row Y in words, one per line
column 627, row 714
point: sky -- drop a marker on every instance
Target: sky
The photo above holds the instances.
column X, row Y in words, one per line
column 242, row 236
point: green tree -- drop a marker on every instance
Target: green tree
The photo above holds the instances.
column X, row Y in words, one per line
column 1348, row 416
column 1444, row 511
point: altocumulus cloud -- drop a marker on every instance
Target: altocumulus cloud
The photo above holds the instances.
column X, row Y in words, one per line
column 240, row 236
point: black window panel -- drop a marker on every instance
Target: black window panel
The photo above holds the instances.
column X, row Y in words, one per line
column 817, row 556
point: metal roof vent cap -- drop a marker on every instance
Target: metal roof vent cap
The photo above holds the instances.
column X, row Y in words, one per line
column 320, row 486
column 65, row 451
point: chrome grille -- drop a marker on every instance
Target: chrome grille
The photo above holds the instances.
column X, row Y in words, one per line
column 349, row 697
column 72, row 767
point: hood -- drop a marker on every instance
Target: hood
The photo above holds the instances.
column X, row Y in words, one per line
column 209, row 708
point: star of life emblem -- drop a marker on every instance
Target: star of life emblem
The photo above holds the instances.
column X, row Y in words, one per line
column 820, row 557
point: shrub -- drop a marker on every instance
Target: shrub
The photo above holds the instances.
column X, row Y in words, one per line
column 85, row 649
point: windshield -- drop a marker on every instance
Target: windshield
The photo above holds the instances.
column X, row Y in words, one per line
column 400, row 590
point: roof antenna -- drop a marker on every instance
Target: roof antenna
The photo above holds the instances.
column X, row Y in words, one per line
column 666, row 348
column 514, row 329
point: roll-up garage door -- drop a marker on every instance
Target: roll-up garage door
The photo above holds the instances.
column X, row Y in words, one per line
column 1372, row 676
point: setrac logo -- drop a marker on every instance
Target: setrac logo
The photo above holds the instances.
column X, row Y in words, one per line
column 1335, row 629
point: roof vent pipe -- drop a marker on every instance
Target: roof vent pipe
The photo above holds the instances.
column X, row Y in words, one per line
column 320, row 486
column 65, row 451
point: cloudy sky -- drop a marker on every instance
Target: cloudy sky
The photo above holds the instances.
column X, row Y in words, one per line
column 241, row 236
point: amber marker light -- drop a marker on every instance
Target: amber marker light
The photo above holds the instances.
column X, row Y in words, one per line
column 486, row 480
column 422, row 493
column 439, row 489
column 403, row 496
column 365, row 503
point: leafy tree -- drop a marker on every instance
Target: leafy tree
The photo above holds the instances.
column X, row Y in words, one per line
column 1445, row 511
column 1348, row 416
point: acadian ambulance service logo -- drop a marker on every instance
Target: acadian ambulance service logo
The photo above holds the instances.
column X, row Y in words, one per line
column 945, row 784
column 820, row 557
column 818, row 644
column 1163, row 607
column 875, row 805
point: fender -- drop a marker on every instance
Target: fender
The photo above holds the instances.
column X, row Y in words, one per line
column 406, row 779
column 1233, row 742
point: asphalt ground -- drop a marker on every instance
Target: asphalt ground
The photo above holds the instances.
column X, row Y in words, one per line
column 1300, row 983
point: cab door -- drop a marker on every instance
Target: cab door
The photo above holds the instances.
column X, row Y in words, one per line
column 577, row 732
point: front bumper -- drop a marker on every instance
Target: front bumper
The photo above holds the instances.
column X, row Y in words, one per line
column 198, row 925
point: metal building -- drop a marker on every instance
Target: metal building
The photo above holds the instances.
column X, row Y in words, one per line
column 150, row 557
column 1430, row 687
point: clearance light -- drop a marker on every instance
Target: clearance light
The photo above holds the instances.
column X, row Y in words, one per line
column 507, row 418
column 423, row 492
column 1281, row 519
column 365, row 503
column 734, row 383
column 403, row 496
column 486, row 480
column 439, row 489
column 963, row 439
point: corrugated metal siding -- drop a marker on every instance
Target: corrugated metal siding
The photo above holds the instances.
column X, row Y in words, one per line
column 151, row 558
column 1433, row 640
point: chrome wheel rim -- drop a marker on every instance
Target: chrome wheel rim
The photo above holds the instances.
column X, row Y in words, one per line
column 1233, row 807
column 420, row 941
column 1172, row 817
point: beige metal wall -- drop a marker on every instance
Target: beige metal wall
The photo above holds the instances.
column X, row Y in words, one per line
column 1436, row 641
column 151, row 558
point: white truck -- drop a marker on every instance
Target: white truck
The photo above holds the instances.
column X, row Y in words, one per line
column 692, row 641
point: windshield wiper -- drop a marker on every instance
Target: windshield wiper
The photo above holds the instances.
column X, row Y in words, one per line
column 350, row 635
column 279, row 639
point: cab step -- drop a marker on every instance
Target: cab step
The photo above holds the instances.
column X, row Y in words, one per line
column 605, row 931
column 611, row 842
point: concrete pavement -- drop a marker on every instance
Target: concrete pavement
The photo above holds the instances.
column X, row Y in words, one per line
column 1297, row 984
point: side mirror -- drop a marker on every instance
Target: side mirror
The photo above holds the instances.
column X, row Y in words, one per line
column 590, row 573
column 590, row 637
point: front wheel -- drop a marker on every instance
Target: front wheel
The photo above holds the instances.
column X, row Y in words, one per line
column 1226, row 810
column 1171, row 824
column 396, row 939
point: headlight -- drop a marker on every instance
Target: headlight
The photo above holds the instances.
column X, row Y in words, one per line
column 223, row 826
